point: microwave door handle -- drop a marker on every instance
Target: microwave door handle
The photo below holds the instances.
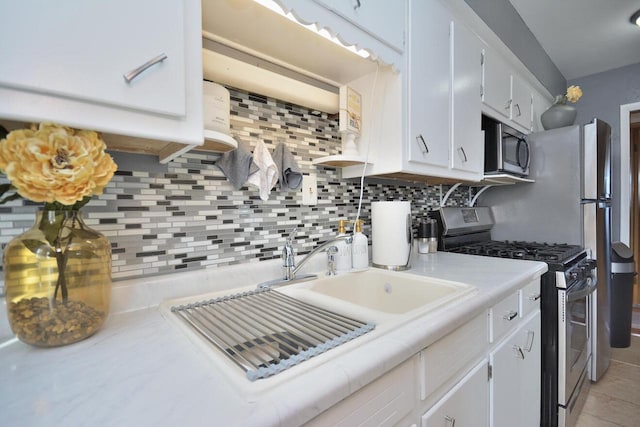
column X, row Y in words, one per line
column 528, row 158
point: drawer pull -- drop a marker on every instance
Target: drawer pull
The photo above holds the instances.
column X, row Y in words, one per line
column 462, row 154
column 128, row 77
column 450, row 421
column 510, row 316
column 534, row 297
column 530, row 336
column 420, row 139
column 517, row 351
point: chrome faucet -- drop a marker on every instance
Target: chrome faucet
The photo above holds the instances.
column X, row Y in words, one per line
column 289, row 267
column 331, row 260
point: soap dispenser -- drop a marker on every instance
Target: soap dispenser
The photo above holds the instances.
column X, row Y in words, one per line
column 360, row 248
column 343, row 258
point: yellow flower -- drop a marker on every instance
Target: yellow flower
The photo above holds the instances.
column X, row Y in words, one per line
column 52, row 163
column 574, row 93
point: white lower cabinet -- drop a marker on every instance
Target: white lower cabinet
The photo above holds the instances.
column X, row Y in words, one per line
column 466, row 404
column 462, row 379
column 515, row 383
column 388, row 401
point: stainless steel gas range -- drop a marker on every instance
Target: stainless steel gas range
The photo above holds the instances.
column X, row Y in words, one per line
column 566, row 305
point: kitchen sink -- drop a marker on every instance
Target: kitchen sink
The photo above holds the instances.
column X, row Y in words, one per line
column 388, row 291
column 266, row 331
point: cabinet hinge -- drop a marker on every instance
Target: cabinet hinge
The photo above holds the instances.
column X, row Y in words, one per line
column 489, row 371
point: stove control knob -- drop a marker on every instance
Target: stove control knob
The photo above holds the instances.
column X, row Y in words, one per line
column 573, row 275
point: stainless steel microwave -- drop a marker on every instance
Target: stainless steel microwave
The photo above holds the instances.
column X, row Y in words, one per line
column 505, row 149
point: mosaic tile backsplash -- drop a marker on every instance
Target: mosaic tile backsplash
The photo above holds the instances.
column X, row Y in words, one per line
column 185, row 215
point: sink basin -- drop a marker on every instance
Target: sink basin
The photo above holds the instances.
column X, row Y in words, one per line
column 236, row 335
column 387, row 291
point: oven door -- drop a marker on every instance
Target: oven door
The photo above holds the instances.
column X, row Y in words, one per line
column 574, row 335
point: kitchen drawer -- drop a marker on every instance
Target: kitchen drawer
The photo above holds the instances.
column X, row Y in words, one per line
column 503, row 316
column 387, row 401
column 449, row 358
column 530, row 298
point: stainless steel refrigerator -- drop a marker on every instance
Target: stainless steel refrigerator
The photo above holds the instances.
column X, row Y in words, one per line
column 570, row 202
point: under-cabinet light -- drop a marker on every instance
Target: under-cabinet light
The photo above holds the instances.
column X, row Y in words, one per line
column 274, row 7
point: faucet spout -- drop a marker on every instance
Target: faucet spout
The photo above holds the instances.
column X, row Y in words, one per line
column 289, row 266
column 319, row 248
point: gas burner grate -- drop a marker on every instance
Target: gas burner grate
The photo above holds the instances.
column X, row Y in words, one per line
column 530, row 251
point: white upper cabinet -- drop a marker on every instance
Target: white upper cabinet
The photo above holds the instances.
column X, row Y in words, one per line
column 505, row 94
column 445, row 79
column 67, row 63
column 521, row 104
column 82, row 50
column 440, row 134
column 429, row 84
column 383, row 19
column 496, row 92
column 467, row 142
column 539, row 105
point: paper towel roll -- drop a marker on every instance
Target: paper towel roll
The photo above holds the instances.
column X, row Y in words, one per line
column 391, row 234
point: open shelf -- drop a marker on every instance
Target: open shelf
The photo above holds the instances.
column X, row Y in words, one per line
column 503, row 179
column 339, row 161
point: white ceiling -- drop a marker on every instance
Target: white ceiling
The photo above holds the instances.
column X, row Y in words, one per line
column 584, row 37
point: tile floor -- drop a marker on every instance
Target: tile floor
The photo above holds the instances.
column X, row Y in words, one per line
column 615, row 399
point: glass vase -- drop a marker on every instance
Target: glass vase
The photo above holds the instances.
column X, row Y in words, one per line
column 57, row 280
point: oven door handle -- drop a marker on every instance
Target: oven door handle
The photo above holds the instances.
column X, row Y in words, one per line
column 584, row 289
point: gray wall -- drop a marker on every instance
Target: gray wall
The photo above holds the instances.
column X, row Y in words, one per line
column 603, row 94
column 505, row 21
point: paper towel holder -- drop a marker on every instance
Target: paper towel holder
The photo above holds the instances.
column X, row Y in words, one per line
column 410, row 241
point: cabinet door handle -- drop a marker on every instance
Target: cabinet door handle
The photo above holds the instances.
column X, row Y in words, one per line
column 421, row 140
column 128, row 77
column 534, row 297
column 450, row 421
column 518, row 108
column 462, row 154
column 517, row 351
column 530, row 336
column 357, row 5
column 510, row 315
column 508, row 104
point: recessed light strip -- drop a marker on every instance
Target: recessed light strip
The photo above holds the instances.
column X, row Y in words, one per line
column 274, row 7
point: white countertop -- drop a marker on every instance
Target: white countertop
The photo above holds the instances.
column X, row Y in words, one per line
column 140, row 369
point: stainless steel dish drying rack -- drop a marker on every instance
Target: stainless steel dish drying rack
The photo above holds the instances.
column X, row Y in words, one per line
column 265, row 331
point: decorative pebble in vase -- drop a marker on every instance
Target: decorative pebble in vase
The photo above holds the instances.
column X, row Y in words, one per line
column 58, row 280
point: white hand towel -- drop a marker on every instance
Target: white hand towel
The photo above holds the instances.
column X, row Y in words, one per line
column 267, row 175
